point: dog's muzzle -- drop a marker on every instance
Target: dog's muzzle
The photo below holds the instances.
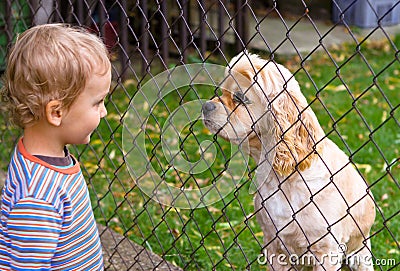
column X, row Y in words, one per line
column 208, row 107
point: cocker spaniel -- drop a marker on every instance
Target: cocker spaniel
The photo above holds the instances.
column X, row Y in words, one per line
column 311, row 203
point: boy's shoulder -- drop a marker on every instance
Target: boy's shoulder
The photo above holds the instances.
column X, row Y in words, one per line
column 28, row 176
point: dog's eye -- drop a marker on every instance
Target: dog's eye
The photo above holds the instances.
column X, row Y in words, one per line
column 239, row 97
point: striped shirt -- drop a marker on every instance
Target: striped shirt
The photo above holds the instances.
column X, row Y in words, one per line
column 47, row 221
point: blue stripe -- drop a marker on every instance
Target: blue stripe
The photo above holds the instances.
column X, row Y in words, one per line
column 27, row 174
column 34, row 170
column 30, row 228
column 51, row 182
column 16, row 172
column 40, row 181
column 31, row 250
column 35, row 207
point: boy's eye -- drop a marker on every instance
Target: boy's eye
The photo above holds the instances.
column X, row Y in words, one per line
column 239, row 97
column 101, row 101
column 97, row 104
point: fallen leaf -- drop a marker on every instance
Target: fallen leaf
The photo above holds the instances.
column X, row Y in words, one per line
column 366, row 167
column 336, row 88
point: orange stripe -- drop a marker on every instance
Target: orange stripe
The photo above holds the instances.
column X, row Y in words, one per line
column 72, row 170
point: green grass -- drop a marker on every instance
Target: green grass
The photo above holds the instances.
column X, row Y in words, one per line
column 358, row 107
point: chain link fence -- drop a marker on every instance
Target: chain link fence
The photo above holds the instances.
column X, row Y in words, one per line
column 343, row 53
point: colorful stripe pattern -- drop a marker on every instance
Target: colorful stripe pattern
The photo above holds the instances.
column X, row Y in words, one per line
column 47, row 221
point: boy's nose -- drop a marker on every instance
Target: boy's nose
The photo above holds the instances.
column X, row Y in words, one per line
column 103, row 112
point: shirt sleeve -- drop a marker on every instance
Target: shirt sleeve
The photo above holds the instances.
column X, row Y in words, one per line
column 33, row 228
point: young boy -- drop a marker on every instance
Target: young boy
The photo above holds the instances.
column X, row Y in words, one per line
column 56, row 81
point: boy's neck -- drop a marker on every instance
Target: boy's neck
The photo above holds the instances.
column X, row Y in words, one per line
column 40, row 141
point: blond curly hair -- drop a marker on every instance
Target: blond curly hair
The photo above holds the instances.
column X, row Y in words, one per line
column 50, row 62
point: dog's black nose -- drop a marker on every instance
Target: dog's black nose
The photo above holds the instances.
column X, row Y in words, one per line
column 208, row 106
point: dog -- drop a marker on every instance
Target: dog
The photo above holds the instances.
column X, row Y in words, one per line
column 311, row 203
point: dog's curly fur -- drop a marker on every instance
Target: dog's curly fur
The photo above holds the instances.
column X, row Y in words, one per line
column 310, row 199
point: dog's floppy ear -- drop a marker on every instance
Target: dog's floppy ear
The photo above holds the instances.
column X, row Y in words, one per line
column 296, row 129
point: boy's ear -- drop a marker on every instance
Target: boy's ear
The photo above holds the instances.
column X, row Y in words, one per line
column 54, row 112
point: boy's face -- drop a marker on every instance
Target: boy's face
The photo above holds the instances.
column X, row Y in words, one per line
column 85, row 113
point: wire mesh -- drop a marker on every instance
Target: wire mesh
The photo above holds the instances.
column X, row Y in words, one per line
column 351, row 86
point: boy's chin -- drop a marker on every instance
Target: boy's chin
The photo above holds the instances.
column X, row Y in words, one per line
column 83, row 141
column 80, row 140
column 87, row 140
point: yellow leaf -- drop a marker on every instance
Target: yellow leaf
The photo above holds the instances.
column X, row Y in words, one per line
column 366, row 167
column 112, row 154
column 384, row 116
column 206, row 131
column 145, row 106
column 336, row 88
column 96, row 142
column 393, row 251
column 129, row 82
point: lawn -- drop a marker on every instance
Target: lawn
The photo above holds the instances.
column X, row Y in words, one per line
column 354, row 92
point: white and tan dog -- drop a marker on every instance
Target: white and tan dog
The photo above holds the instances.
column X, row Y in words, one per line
column 311, row 203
